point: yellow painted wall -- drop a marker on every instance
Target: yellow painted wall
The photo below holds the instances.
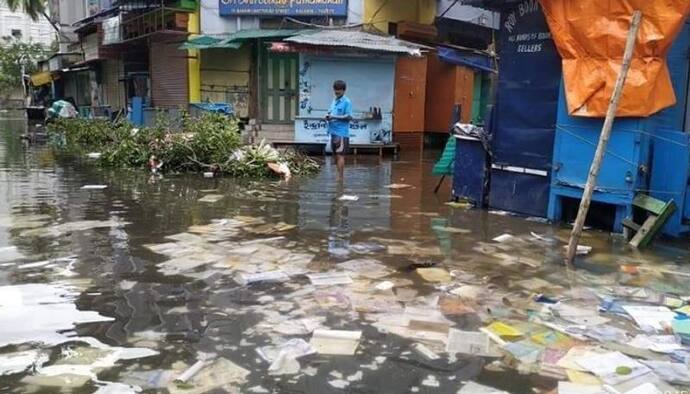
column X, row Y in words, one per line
column 381, row 12
column 194, row 65
column 225, row 77
column 427, row 11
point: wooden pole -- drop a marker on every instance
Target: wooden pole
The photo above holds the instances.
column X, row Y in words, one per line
column 603, row 139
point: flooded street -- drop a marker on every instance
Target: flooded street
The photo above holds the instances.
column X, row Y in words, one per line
column 124, row 288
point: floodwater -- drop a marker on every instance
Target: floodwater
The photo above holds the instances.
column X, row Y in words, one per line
column 78, row 275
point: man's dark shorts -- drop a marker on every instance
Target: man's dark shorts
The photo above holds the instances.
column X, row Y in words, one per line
column 340, row 145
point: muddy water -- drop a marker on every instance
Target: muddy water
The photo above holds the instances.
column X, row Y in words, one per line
column 110, row 282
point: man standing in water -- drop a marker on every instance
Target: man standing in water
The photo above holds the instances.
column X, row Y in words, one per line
column 338, row 118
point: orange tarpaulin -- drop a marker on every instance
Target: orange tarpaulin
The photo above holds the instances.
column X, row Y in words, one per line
column 590, row 36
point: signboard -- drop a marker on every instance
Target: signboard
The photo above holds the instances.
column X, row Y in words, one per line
column 529, row 79
column 283, row 7
column 362, row 132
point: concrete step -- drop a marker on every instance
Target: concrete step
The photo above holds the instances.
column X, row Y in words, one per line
column 278, row 127
column 271, row 137
column 273, row 132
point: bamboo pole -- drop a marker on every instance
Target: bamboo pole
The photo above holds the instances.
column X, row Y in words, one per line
column 604, row 138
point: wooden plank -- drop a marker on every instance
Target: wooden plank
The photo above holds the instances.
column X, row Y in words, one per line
column 628, row 223
column 649, row 204
column 658, row 224
column 644, row 232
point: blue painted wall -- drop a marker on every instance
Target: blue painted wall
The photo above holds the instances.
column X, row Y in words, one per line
column 370, row 83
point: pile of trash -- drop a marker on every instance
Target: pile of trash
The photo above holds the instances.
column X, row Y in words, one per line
column 583, row 334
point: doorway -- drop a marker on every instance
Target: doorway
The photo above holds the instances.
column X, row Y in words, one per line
column 279, row 81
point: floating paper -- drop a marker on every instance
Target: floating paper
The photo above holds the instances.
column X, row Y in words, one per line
column 221, row 373
column 335, row 341
column 476, row 388
column 294, row 348
column 283, row 358
column 434, row 274
column 524, row 351
column 674, row 373
column 425, row 352
column 367, row 268
column 656, row 343
column 613, row 368
column 647, row 388
column 468, row 342
column 94, row 187
column 426, row 319
column 271, row 276
column 650, row 317
column 504, row 330
column 580, row 316
column 330, row 279
column 575, row 388
column 211, row 198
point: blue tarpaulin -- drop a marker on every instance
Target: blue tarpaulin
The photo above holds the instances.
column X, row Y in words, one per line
column 221, row 108
column 468, row 59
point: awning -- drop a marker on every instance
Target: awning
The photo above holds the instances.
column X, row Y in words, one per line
column 42, row 78
column 356, row 39
column 235, row 40
column 200, row 42
column 469, row 59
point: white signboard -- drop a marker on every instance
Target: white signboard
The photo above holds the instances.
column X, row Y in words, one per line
column 361, row 131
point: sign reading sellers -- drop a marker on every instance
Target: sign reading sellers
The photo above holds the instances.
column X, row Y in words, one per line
column 283, row 7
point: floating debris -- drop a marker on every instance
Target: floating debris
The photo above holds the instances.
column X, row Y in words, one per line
column 347, row 197
column 395, row 186
column 211, row 198
column 336, row 341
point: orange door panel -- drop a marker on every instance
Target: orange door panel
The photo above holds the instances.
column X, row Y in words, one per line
column 410, row 95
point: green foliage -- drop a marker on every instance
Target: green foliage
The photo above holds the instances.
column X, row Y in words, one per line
column 212, row 137
column 15, row 55
column 300, row 164
column 210, row 142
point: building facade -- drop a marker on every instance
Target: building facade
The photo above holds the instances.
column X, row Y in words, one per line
column 20, row 26
column 167, row 54
column 270, row 89
column 117, row 54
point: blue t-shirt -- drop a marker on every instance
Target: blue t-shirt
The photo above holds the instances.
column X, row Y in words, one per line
column 340, row 107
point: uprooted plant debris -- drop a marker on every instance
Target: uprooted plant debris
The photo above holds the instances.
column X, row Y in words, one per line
column 209, row 143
